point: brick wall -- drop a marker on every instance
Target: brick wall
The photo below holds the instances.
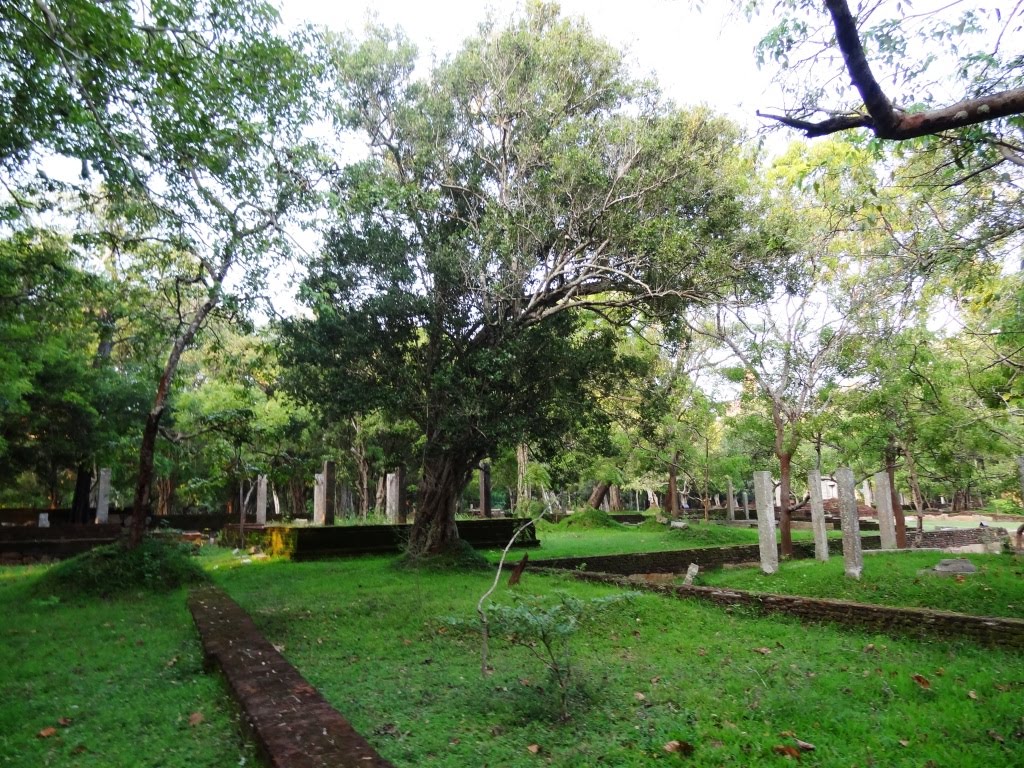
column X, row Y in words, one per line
column 707, row 558
column 1000, row 632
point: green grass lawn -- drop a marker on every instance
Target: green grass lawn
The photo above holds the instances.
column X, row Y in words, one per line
column 119, row 683
column 997, row 589
column 729, row 688
column 562, row 541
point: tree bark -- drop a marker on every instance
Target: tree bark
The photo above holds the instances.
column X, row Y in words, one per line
column 614, row 499
column 434, row 531
column 672, row 494
column 80, row 501
column 597, row 495
column 897, row 507
column 785, row 527
column 522, row 488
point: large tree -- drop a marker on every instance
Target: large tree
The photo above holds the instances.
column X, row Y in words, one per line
column 523, row 184
column 190, row 113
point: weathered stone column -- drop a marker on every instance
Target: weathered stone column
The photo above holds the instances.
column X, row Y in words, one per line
column 330, row 493
column 853, row 558
column 817, row 516
column 732, row 500
column 261, row 500
column 866, row 492
column 103, row 497
column 485, row 489
column 746, row 505
column 391, row 505
column 319, row 500
column 883, row 505
column 763, row 497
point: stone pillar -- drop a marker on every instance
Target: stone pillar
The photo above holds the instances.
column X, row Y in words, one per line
column 103, row 497
column 883, row 505
column 731, row 500
column 763, row 497
column 319, row 500
column 261, row 500
column 746, row 505
column 817, row 516
column 44, row 520
column 778, row 497
column 391, row 505
column 485, row 489
column 330, row 493
column 853, row 558
column 866, row 492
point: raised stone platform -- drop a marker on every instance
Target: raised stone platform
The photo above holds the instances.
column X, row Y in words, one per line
column 293, row 724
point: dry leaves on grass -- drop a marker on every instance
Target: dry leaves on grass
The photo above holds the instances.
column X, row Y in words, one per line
column 195, row 719
column 47, row 732
column 763, row 651
column 675, row 746
column 534, row 749
column 922, row 681
column 786, row 751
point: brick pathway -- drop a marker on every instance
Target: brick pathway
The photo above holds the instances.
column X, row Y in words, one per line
column 293, row 723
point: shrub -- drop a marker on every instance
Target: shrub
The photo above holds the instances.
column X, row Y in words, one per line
column 114, row 570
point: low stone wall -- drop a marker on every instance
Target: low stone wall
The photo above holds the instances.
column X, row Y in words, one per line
column 986, row 630
column 301, row 543
column 677, row 561
column 22, row 545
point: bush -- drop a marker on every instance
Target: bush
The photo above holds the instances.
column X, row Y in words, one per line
column 590, row 518
column 1002, row 507
column 114, row 570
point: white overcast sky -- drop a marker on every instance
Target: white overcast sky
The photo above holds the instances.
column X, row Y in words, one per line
column 697, row 57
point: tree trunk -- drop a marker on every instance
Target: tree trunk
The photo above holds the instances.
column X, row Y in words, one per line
column 915, row 489
column 434, row 531
column 785, row 470
column 382, row 494
column 597, row 495
column 522, row 488
column 147, row 449
column 164, row 492
column 897, row 508
column 672, row 494
column 614, row 499
column 80, row 501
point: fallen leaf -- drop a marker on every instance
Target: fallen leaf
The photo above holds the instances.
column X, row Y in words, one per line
column 787, row 735
column 904, row 743
column 995, row 737
column 278, row 648
column 533, row 749
column 922, row 681
column 453, row 741
column 763, row 651
column 684, row 748
column 407, row 641
column 940, row 672
column 65, row 721
column 972, row 695
column 806, row 746
column 702, row 652
column 786, row 750
column 172, row 662
column 639, row 696
column 655, row 680
column 869, row 648
column 47, row 732
column 195, row 719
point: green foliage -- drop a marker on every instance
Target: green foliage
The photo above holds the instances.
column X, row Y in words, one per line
column 546, row 627
column 114, row 571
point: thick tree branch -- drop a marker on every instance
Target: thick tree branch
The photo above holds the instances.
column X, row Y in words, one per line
column 882, row 118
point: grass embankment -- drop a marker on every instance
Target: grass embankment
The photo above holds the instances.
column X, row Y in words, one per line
column 727, row 688
column 90, row 682
column 567, row 540
column 997, row 589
